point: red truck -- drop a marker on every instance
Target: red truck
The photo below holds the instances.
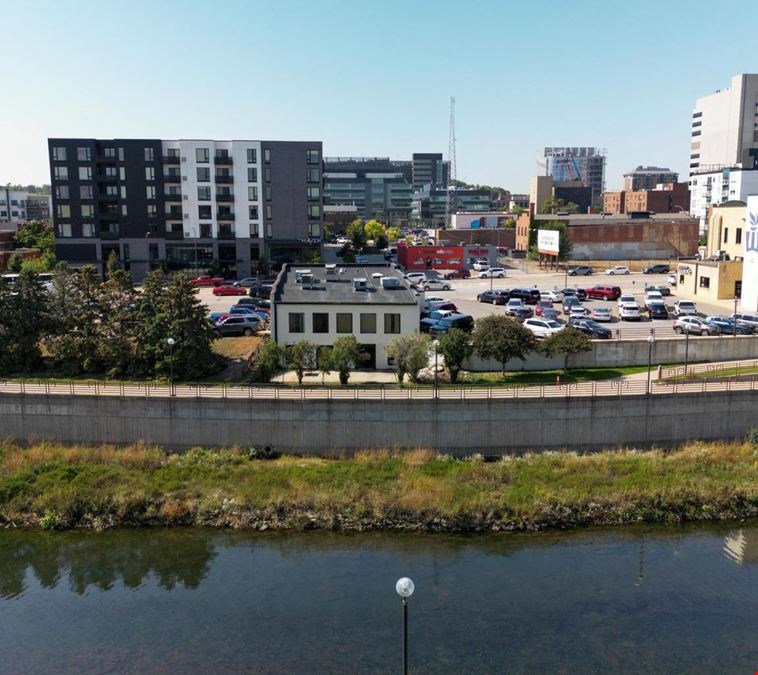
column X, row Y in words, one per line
column 206, row 280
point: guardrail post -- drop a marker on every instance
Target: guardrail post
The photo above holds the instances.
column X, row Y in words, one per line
column 594, row 388
column 71, row 387
column 97, row 392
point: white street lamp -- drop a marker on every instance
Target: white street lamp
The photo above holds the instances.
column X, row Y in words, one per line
column 405, row 588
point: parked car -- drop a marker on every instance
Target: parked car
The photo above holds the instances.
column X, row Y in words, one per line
column 651, row 297
column 241, row 311
column 665, row 291
column 602, row 314
column 657, row 269
column 415, row 277
column 498, row 272
column 236, row 325
column 434, row 317
column 592, row 328
column 541, row 306
column 512, row 305
column 691, row 324
column 530, row 296
column 629, row 312
column 618, row 269
column 439, row 306
column 578, row 292
column 206, row 280
column 463, row 321
column 685, row 308
column 543, row 328
column 494, row 297
column 247, row 282
column 578, row 312
column 728, row 326
column 255, row 302
column 522, row 313
column 555, row 296
column 602, row 292
column 746, row 319
column 671, row 279
column 263, row 291
column 457, row 274
column 626, row 298
column 481, row 265
column 550, row 315
column 570, row 301
column 436, row 285
column 262, row 313
column 580, row 270
column 229, row 290
column 657, row 310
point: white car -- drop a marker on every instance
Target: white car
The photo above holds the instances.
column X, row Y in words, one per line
column 435, row 285
column 619, row 269
column 691, row 324
column 602, row 314
column 578, row 312
column 652, row 297
column 343, row 240
column 629, row 312
column 671, row 279
column 543, row 327
column 481, row 265
column 626, row 299
column 514, row 303
column 498, row 272
column 684, row 308
column 555, row 296
column 416, row 277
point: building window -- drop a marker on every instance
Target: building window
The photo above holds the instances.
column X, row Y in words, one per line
column 726, row 234
column 314, row 211
column 123, row 209
column 254, row 230
column 88, row 211
column 204, row 212
column 252, row 193
column 320, row 322
column 311, row 156
column 122, row 173
column 344, row 322
column 61, row 191
column 203, row 174
column 110, row 172
column 123, row 192
column 85, row 173
column 120, row 154
column 268, row 212
column 149, row 155
column 705, row 282
column 203, row 193
column 268, row 193
column 738, row 236
column 368, row 323
column 297, row 322
column 61, row 173
column 253, row 212
column 85, row 192
column 252, row 156
column 252, row 175
column 62, row 211
column 314, row 230
column 202, row 155
column 392, row 324
column 314, row 193
column 267, row 174
column 83, row 154
column 313, row 176
column 269, row 230
column 152, row 210
column 149, row 173
column 109, row 153
column 150, row 191
column 267, row 156
column 88, row 229
column 64, row 229
column 59, row 154
column 111, row 191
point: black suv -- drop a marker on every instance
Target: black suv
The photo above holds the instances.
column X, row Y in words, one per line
column 578, row 292
column 657, row 269
column 592, row 328
column 494, row 297
column 529, row 296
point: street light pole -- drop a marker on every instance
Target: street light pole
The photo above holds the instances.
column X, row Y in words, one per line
column 171, row 343
column 436, row 344
column 734, row 316
column 405, row 588
column 686, row 351
column 650, row 341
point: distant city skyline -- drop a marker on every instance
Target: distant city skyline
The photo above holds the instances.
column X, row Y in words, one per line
column 366, row 80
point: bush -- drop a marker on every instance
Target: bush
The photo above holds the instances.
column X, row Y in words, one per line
column 752, row 436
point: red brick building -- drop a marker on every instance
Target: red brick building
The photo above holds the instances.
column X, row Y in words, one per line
column 672, row 198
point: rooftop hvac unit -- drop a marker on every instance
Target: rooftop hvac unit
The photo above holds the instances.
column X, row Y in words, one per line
column 391, row 283
column 307, row 280
column 377, row 275
column 299, row 275
column 360, row 284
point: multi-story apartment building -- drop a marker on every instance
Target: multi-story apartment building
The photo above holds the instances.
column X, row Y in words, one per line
column 669, row 198
column 712, row 188
column 577, row 163
column 179, row 204
column 18, row 206
column 648, row 177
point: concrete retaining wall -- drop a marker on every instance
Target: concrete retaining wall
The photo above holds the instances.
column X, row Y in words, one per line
column 489, row 426
column 617, row 353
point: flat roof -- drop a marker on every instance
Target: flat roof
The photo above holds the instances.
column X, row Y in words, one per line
column 342, row 292
column 616, row 219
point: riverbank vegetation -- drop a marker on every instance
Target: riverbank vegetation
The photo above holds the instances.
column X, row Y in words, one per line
column 57, row 487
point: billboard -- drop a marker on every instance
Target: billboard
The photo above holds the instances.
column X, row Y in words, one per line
column 548, row 241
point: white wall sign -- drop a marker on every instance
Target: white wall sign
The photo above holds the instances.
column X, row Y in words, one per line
column 749, row 301
column 548, row 241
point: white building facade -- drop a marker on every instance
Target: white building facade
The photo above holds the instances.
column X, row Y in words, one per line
column 711, row 188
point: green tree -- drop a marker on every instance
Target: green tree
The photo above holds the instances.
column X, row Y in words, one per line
column 357, row 234
column 456, row 347
column 410, row 353
column 346, row 354
column 36, row 234
column 301, row 357
column 324, row 361
column 118, row 329
column 517, row 210
column 24, row 311
column 112, row 264
column 565, row 343
column 214, row 269
column 373, row 229
column 500, row 338
column 15, row 262
column 381, row 242
column 508, row 224
column 564, row 243
column 268, row 360
column 393, row 233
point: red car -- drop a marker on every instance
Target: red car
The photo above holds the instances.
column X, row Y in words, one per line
column 229, row 290
column 457, row 274
column 206, row 280
column 602, row 292
column 542, row 305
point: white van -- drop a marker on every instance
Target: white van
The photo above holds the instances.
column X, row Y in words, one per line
column 748, row 319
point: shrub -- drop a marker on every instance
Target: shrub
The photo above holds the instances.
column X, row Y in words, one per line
column 752, row 436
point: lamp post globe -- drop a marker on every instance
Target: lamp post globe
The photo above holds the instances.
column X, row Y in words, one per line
column 171, row 342
column 405, row 587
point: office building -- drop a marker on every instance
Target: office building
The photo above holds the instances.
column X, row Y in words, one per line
column 429, row 206
column 712, row 188
column 546, row 188
column 179, row 204
column 20, row 206
column 584, row 164
column 648, row 177
column 428, row 168
column 666, row 198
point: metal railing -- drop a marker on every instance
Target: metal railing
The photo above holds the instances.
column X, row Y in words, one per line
column 713, row 370
column 616, row 387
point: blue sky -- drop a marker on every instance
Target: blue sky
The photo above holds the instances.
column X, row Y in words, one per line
column 372, row 78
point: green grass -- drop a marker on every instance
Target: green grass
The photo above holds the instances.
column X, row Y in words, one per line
column 548, row 376
column 55, row 486
column 711, row 374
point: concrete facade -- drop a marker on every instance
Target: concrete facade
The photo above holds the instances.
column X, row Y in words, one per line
column 331, row 427
column 706, row 280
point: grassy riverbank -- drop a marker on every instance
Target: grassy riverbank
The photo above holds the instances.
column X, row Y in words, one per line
column 64, row 487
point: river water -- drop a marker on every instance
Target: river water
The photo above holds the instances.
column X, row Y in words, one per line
column 194, row 601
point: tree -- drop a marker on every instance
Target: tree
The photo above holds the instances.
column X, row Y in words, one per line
column 410, row 353
column 324, row 361
column 214, row 269
column 301, row 357
column 15, row 262
column 564, row 243
column 268, row 360
column 356, row 233
column 517, row 210
column 393, row 233
column 36, row 234
column 112, row 264
column 565, row 343
column 381, row 242
column 118, row 342
column 346, row 354
column 502, row 339
column 24, row 312
column 508, row 224
column 374, row 229
column 455, row 346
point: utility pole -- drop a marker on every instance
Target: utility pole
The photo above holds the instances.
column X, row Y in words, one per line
column 450, row 206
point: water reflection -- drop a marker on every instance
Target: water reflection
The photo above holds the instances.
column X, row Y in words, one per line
column 741, row 546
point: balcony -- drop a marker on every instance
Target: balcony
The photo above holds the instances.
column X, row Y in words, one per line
column 174, row 215
column 174, row 234
column 224, row 215
column 171, row 159
column 223, row 160
column 224, row 178
column 103, row 159
column 224, row 196
column 225, row 232
column 105, row 178
column 172, row 178
column 173, row 196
